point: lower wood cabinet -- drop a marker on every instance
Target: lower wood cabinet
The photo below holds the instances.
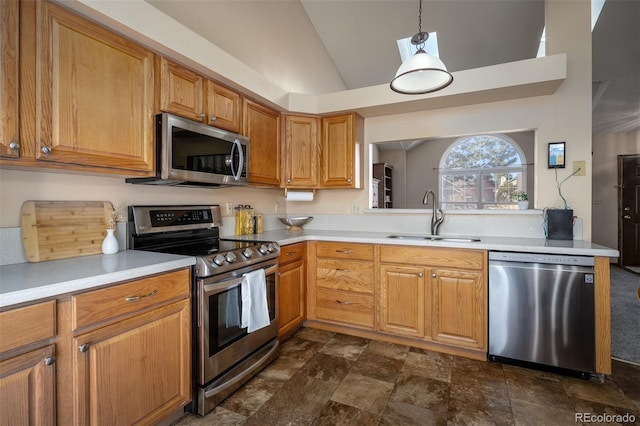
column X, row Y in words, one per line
column 28, row 365
column 341, row 283
column 291, row 288
column 124, row 352
column 434, row 294
column 404, row 300
column 459, row 308
column 134, row 371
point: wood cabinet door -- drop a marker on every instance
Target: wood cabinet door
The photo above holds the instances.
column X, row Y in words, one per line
column 459, row 308
column 402, row 300
column 9, row 16
column 27, row 388
column 300, row 152
column 291, row 296
column 134, row 371
column 340, row 152
column 223, row 107
column 262, row 126
column 181, row 90
column 94, row 103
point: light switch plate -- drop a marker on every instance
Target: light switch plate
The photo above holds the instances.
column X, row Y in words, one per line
column 582, row 165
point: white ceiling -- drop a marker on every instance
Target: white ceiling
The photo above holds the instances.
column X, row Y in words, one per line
column 347, row 44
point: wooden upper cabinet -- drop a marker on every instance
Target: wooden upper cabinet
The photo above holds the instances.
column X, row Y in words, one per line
column 94, row 101
column 300, row 151
column 223, row 107
column 262, row 126
column 9, row 60
column 181, row 90
column 342, row 140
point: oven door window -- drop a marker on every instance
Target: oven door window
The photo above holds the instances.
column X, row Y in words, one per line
column 225, row 310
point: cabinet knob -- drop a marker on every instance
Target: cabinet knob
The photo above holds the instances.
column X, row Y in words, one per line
column 213, row 118
column 420, row 274
column 46, row 150
column 434, row 275
column 83, row 348
column 50, row 360
column 349, row 180
column 626, row 216
column 14, row 145
column 201, row 115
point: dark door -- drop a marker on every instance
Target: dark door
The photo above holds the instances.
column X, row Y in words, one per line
column 629, row 209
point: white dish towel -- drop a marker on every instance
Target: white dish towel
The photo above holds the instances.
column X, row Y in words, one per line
column 255, row 311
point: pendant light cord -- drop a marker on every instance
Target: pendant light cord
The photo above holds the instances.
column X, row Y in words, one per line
column 420, row 17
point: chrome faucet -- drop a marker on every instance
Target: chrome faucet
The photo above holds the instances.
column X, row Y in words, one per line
column 435, row 220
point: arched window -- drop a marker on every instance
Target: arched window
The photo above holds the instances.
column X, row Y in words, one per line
column 482, row 172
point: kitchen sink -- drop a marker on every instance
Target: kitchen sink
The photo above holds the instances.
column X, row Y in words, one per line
column 447, row 238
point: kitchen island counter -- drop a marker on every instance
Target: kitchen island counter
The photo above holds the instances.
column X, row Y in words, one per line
column 528, row 245
column 28, row 282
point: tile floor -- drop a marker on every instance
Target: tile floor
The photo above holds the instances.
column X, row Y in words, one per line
column 324, row 378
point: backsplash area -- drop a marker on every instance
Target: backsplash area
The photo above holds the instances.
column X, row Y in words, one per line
column 525, row 224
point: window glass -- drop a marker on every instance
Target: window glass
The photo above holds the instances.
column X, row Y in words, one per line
column 482, row 172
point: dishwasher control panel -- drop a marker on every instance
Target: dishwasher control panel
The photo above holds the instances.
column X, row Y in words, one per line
column 554, row 259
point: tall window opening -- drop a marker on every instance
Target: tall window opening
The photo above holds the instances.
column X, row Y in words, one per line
column 482, row 172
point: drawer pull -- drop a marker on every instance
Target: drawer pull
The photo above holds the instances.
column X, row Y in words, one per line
column 290, row 253
column 345, row 302
column 343, row 251
column 343, row 270
column 134, row 298
column 50, row 360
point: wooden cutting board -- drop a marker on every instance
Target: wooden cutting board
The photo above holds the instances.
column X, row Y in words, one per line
column 62, row 229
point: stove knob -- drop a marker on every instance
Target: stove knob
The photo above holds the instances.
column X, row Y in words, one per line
column 272, row 247
column 247, row 252
column 230, row 257
column 218, row 260
column 263, row 249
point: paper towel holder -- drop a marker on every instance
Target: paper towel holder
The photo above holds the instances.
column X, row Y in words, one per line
column 313, row 191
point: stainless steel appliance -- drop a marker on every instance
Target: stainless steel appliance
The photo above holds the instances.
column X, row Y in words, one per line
column 189, row 153
column 541, row 311
column 226, row 355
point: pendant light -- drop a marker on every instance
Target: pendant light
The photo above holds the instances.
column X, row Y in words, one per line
column 421, row 73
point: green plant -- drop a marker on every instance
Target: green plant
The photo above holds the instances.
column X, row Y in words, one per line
column 520, row 196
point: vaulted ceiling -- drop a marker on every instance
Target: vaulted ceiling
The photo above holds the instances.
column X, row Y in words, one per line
column 348, row 44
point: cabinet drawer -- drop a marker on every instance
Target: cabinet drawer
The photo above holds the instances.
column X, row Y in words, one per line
column 344, row 307
column 355, row 275
column 30, row 324
column 129, row 298
column 291, row 253
column 345, row 250
column 432, row 256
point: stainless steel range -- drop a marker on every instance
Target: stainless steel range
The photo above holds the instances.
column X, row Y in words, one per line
column 226, row 355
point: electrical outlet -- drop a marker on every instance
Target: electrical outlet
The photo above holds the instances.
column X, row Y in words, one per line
column 582, row 165
column 276, row 207
column 355, row 208
column 229, row 209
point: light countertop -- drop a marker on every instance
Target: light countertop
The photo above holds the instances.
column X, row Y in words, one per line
column 27, row 282
column 529, row 245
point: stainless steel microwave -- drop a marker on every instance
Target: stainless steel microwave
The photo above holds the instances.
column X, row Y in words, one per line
column 189, row 153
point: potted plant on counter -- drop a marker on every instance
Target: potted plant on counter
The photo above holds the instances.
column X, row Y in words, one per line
column 522, row 198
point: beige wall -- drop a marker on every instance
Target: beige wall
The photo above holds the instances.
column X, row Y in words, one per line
column 563, row 116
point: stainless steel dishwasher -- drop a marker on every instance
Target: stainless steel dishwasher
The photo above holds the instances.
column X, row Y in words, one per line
column 541, row 311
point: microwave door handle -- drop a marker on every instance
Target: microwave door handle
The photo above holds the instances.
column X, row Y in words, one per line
column 236, row 144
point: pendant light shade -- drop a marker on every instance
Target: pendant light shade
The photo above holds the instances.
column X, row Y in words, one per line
column 421, row 73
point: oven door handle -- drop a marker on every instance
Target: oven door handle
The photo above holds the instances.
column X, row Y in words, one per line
column 221, row 286
column 249, row 371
